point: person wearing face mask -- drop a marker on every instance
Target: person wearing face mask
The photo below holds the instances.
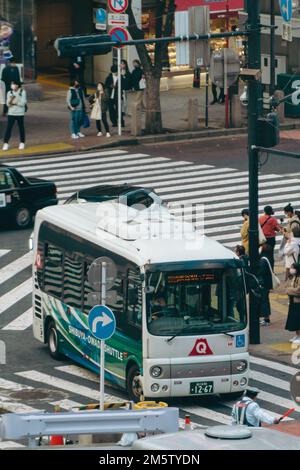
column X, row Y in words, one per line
column 293, row 319
column 111, row 85
column 99, row 102
column 9, row 74
column 16, row 103
column 76, row 105
column 291, row 250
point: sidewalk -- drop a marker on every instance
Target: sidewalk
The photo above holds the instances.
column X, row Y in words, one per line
column 47, row 122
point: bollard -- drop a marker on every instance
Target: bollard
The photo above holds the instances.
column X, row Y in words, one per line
column 280, row 109
column 136, row 119
column 187, row 423
column 56, row 440
column 193, row 114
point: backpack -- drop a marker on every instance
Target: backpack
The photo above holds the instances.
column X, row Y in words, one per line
column 26, row 105
column 74, row 101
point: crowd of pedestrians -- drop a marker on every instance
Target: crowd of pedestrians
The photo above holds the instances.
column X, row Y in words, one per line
column 103, row 102
column 288, row 229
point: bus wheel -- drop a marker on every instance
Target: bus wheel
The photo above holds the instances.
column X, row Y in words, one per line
column 53, row 341
column 232, row 396
column 133, row 384
column 23, row 217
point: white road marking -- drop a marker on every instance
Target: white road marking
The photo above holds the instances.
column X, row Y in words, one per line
column 10, row 445
column 13, row 386
column 66, row 404
column 207, row 414
column 20, row 323
column 79, row 372
column 53, row 381
column 269, row 380
column 274, row 365
column 15, row 267
column 18, row 293
column 14, row 406
column 3, row 252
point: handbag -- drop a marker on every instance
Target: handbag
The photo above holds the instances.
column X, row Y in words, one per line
column 86, row 121
column 261, row 237
column 275, row 279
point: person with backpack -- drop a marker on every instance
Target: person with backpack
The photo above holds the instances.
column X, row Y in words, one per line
column 247, row 411
column 76, row 105
column 17, row 106
column 270, row 226
column 291, row 250
column 293, row 291
column 99, row 103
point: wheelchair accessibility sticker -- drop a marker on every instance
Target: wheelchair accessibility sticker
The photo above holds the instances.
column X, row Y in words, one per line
column 240, row 341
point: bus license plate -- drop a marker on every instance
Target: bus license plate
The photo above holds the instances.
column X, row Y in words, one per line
column 201, row 388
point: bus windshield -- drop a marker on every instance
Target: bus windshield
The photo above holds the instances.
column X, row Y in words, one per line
column 208, row 301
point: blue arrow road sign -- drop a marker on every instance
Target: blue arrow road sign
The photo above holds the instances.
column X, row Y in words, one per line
column 101, row 15
column 102, row 322
column 286, row 9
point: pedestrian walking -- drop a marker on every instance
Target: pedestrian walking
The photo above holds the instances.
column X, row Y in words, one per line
column 17, row 105
column 292, row 219
column 138, row 84
column 126, row 84
column 10, row 73
column 216, row 98
column 111, row 85
column 245, row 230
column 291, row 250
column 99, row 102
column 247, row 411
column 270, row 226
column 76, row 105
column 264, row 276
column 293, row 291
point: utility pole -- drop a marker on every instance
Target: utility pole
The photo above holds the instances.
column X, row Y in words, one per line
column 272, row 48
column 254, row 89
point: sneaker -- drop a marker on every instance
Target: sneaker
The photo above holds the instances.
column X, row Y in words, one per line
column 74, row 136
column 80, row 135
column 5, row 147
column 99, row 134
column 264, row 323
column 21, row 146
column 108, row 134
column 292, row 339
column 297, row 340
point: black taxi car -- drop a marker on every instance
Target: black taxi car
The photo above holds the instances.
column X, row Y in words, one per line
column 22, row 197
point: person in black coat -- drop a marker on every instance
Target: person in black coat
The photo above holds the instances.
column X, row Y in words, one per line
column 264, row 275
column 10, row 74
column 111, row 85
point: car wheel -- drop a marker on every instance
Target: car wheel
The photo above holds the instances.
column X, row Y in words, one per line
column 232, row 396
column 133, row 384
column 53, row 341
column 23, row 217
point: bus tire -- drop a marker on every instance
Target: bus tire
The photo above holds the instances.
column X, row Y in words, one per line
column 23, row 217
column 53, row 341
column 133, row 384
column 232, row 395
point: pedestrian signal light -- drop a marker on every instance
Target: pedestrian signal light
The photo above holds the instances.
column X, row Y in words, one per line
column 73, row 46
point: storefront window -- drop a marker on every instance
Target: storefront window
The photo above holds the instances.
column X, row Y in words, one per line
column 16, row 34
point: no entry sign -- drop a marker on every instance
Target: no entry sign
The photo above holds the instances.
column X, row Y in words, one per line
column 118, row 6
column 119, row 35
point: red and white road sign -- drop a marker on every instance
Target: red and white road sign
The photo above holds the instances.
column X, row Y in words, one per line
column 118, row 6
column 119, row 35
column 201, row 348
column 117, row 19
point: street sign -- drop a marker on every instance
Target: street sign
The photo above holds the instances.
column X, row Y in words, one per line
column 224, row 67
column 117, row 20
column 118, row 35
column 95, row 273
column 287, row 32
column 102, row 322
column 118, row 6
column 286, row 10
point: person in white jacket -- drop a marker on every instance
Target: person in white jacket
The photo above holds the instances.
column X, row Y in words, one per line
column 247, row 412
column 291, row 250
column 16, row 102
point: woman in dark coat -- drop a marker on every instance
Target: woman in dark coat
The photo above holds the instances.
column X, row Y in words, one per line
column 293, row 319
column 264, row 276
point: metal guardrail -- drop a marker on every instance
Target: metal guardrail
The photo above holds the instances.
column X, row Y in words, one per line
column 32, row 425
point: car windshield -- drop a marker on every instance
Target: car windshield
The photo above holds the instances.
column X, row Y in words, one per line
column 195, row 302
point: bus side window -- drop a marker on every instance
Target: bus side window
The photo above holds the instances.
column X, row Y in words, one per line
column 73, row 271
column 134, row 299
column 53, row 273
column 87, row 289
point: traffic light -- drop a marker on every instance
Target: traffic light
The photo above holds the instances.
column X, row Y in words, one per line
column 72, row 46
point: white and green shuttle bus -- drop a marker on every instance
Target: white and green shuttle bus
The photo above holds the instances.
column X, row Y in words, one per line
column 179, row 300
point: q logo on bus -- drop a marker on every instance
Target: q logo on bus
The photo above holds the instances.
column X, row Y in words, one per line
column 201, row 348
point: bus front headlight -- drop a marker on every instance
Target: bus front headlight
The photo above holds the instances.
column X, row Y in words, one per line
column 156, row 371
column 239, row 366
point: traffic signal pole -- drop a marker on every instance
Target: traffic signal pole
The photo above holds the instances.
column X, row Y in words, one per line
column 254, row 59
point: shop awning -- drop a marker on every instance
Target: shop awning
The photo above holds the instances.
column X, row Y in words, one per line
column 214, row 5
